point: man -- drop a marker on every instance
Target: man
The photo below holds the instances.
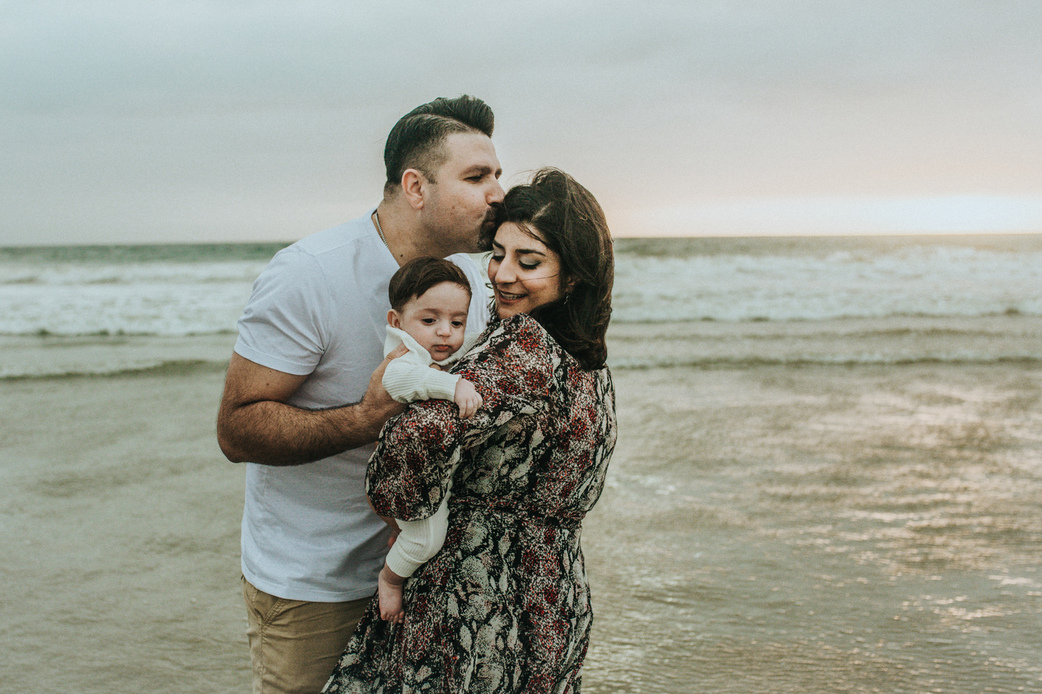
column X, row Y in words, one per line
column 310, row 340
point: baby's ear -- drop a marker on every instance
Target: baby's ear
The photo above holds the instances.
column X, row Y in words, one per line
column 393, row 319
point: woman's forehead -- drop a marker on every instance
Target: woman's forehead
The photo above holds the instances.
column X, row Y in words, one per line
column 519, row 237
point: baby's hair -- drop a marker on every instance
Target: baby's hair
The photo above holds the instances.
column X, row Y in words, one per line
column 417, row 276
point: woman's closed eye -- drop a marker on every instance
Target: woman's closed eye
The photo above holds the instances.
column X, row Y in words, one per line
column 529, row 265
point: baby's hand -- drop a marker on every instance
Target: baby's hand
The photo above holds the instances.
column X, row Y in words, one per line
column 466, row 398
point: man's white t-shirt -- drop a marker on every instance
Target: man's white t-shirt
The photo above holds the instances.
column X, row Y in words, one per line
column 320, row 309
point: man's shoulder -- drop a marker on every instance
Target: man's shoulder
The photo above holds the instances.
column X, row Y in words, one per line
column 350, row 237
column 347, row 258
column 466, row 262
column 480, row 294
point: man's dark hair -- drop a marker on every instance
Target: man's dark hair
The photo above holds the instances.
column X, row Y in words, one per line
column 415, row 141
column 420, row 274
column 566, row 217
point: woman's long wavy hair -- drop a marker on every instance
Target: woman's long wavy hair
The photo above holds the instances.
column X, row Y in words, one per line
column 566, row 217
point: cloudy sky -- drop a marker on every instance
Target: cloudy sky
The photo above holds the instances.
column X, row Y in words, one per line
column 238, row 120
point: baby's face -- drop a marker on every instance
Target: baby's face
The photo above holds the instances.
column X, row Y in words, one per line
column 436, row 319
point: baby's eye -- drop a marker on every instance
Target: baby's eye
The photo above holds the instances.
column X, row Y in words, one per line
column 427, row 321
column 457, row 324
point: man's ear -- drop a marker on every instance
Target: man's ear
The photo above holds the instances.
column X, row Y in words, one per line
column 414, row 187
column 394, row 319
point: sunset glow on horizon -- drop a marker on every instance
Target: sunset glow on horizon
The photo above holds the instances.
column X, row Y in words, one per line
column 837, row 217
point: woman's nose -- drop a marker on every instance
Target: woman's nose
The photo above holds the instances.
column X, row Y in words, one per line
column 505, row 273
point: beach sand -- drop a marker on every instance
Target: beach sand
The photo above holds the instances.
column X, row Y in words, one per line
column 764, row 529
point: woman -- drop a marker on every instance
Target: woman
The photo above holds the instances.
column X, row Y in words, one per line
column 504, row 606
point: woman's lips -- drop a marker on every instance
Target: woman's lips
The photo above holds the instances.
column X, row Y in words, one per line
column 507, row 296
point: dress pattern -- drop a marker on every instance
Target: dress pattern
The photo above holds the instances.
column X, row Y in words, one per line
column 504, row 606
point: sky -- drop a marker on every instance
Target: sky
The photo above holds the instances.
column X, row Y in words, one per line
column 229, row 121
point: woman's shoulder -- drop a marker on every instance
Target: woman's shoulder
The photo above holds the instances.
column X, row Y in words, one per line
column 514, row 352
column 522, row 337
column 528, row 330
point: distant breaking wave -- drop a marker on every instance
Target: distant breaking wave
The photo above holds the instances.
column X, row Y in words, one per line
column 185, row 367
column 201, row 289
column 916, row 281
column 823, row 360
column 637, row 317
column 176, row 367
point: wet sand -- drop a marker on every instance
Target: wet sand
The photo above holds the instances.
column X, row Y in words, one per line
column 822, row 529
column 764, row 529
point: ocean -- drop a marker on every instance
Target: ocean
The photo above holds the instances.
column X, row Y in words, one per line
column 704, row 301
column 828, row 478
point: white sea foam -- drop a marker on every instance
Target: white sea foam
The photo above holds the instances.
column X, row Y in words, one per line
column 171, row 298
column 928, row 281
column 144, row 308
column 158, row 292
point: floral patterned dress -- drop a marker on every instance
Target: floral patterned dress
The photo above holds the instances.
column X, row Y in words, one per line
column 504, row 606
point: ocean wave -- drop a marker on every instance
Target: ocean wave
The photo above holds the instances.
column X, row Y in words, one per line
column 175, row 367
column 826, row 283
column 120, row 332
column 637, row 317
column 185, row 367
column 62, row 356
column 839, row 360
column 146, row 328
column 137, row 275
column 147, row 309
column 199, row 290
column 881, row 341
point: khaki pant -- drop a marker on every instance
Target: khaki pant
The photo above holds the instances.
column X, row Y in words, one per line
column 295, row 645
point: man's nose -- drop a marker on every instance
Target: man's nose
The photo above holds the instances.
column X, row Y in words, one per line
column 496, row 194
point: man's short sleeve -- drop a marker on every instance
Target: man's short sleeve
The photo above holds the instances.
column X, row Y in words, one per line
column 282, row 326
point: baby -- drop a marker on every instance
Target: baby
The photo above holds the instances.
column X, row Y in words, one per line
column 430, row 299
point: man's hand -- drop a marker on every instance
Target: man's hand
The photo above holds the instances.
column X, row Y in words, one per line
column 377, row 404
column 255, row 424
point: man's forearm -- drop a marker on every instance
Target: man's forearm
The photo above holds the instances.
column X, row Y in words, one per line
column 273, row 433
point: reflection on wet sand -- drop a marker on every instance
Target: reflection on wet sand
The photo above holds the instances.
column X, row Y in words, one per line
column 821, row 529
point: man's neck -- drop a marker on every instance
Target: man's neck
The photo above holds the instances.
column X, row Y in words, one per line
column 401, row 234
